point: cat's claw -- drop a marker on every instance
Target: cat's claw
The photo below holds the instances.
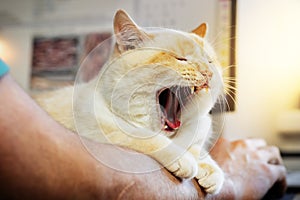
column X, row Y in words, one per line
column 185, row 167
column 210, row 177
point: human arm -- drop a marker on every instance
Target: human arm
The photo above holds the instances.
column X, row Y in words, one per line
column 41, row 159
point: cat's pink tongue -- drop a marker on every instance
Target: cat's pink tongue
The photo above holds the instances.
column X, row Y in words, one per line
column 173, row 125
column 171, row 110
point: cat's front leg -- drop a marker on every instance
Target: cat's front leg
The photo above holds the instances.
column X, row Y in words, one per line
column 177, row 160
column 210, row 176
column 171, row 156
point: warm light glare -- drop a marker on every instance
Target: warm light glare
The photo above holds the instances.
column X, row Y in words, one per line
column 1, row 48
column 270, row 50
column 5, row 51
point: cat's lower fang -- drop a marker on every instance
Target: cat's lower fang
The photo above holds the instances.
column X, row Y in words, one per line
column 171, row 126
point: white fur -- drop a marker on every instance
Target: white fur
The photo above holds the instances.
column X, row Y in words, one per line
column 120, row 105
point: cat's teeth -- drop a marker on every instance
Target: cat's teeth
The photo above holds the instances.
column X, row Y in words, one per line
column 192, row 89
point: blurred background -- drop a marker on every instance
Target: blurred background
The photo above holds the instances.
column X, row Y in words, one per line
column 267, row 53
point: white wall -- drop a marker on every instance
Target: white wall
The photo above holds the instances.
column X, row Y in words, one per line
column 15, row 44
column 268, row 71
column 50, row 18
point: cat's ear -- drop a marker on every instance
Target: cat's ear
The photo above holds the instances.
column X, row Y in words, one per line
column 201, row 30
column 128, row 34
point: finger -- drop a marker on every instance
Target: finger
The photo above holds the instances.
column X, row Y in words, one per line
column 256, row 142
column 274, row 173
column 277, row 190
column 251, row 143
column 280, row 183
column 271, row 155
column 277, row 185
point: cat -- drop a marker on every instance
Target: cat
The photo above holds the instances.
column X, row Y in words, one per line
column 154, row 97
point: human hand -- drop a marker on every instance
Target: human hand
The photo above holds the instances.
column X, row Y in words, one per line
column 251, row 168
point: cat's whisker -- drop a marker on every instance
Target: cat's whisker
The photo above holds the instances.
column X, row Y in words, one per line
column 226, row 102
column 224, row 42
column 230, row 95
column 222, row 101
column 231, row 90
column 230, row 79
column 216, row 38
column 228, row 67
column 220, row 32
column 226, row 80
column 229, row 84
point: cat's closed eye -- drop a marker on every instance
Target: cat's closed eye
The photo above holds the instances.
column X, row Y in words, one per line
column 181, row 59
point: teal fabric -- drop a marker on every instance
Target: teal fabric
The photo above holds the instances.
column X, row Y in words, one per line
column 3, row 68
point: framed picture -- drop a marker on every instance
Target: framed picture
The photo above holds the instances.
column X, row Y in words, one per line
column 55, row 60
column 96, row 51
column 226, row 51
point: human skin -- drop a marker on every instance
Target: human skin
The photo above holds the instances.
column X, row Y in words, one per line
column 252, row 169
column 42, row 160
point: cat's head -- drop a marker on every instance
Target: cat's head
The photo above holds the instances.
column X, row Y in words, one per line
column 160, row 79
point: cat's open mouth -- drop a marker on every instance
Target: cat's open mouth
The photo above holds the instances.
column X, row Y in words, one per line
column 171, row 102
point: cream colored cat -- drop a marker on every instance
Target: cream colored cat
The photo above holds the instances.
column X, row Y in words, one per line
column 153, row 96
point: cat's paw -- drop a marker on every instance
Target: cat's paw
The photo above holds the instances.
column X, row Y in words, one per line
column 185, row 167
column 210, row 177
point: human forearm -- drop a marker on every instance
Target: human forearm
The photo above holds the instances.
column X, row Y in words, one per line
column 34, row 155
